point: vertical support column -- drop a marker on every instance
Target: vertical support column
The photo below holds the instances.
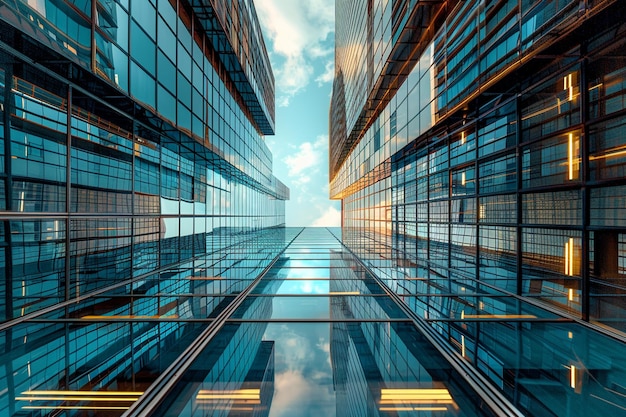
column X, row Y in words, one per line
column 133, row 229
column 94, row 49
column 518, row 194
column 370, row 49
column 8, row 104
column 68, row 192
column 428, row 245
column 130, row 325
column 68, row 204
column 449, row 219
column 476, row 200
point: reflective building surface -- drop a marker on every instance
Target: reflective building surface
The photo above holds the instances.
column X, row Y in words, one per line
column 147, row 270
column 477, row 149
column 315, row 335
column 302, row 327
column 136, row 194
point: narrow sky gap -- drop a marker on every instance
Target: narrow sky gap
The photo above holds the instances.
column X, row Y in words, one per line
column 299, row 36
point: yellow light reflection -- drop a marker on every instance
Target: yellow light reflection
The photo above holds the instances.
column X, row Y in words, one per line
column 91, row 393
column 411, row 400
column 227, row 397
column 229, row 400
column 240, row 396
column 570, row 155
column 413, row 408
column 416, row 401
column 248, row 391
column 78, row 398
column 616, row 152
column 568, row 253
column 572, row 376
column 569, row 86
column 415, row 396
column 72, row 407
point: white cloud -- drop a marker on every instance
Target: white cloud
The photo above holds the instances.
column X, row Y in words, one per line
column 328, row 75
column 321, row 141
column 303, row 179
column 306, row 160
column 297, row 32
column 294, row 74
column 282, row 101
column 306, row 156
column 323, row 345
column 331, row 217
column 295, row 393
column 306, row 167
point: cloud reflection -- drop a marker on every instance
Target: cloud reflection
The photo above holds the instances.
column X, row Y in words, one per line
column 298, row 395
column 303, row 373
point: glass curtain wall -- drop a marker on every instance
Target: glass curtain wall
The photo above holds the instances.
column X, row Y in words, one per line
column 492, row 167
column 136, row 193
column 498, row 157
column 300, row 326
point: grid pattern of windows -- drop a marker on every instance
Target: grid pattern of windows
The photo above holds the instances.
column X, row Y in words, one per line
column 136, row 189
column 516, row 166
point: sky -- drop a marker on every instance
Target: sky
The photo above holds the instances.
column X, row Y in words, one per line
column 299, row 36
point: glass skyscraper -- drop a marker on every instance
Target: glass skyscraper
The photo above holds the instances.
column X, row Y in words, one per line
column 477, row 149
column 147, row 269
column 136, row 191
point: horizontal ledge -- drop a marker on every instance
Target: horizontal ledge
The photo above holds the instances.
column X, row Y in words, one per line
column 504, row 320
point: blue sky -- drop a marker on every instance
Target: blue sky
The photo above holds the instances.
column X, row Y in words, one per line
column 299, row 36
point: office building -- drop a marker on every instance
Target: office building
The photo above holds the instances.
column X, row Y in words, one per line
column 136, row 193
column 147, row 270
column 477, row 149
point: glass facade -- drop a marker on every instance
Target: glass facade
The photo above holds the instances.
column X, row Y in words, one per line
column 315, row 335
column 476, row 148
column 291, row 322
column 136, row 191
column 480, row 149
